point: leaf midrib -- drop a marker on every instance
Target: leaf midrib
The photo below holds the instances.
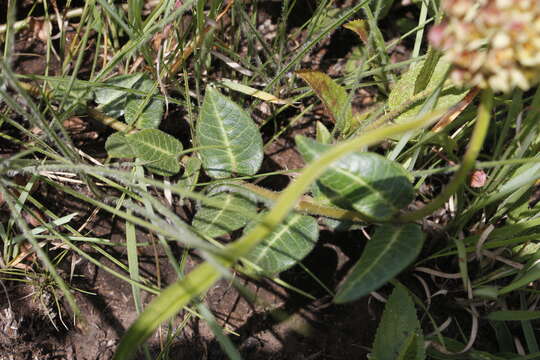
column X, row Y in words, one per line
column 224, row 137
column 220, row 212
column 349, row 174
column 276, row 236
column 375, row 261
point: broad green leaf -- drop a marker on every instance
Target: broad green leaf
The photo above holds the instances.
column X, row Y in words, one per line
column 404, row 90
column 118, row 146
column 235, row 140
column 390, row 250
column 365, row 182
column 158, row 150
column 112, row 101
column 514, row 315
column 333, row 96
column 216, row 221
column 145, row 114
column 287, row 245
column 399, row 334
column 413, row 348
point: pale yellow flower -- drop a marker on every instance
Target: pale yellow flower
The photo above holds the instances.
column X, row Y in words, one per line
column 492, row 43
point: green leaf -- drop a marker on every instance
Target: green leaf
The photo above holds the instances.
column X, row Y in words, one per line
column 514, row 315
column 80, row 92
column 112, row 101
column 235, row 139
column 530, row 275
column 390, row 250
column 117, row 146
column 287, row 245
column 399, row 333
column 333, row 96
column 215, row 221
column 427, row 70
column 159, row 149
column 413, row 348
column 323, row 135
column 404, row 90
column 365, row 182
column 145, row 114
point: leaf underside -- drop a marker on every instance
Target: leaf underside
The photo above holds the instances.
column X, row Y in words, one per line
column 158, row 150
column 112, row 101
column 234, row 141
column 217, row 221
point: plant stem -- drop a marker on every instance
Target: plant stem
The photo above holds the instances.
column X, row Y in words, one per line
column 469, row 160
column 309, row 206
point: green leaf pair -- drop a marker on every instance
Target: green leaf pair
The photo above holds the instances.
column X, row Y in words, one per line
column 377, row 188
column 231, row 144
column 287, row 245
column 158, row 151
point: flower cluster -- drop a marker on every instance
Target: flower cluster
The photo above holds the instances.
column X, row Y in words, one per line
column 492, row 43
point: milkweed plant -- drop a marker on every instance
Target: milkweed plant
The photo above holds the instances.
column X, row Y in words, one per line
column 349, row 182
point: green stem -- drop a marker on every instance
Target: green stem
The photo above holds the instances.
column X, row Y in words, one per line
column 469, row 160
column 309, row 206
